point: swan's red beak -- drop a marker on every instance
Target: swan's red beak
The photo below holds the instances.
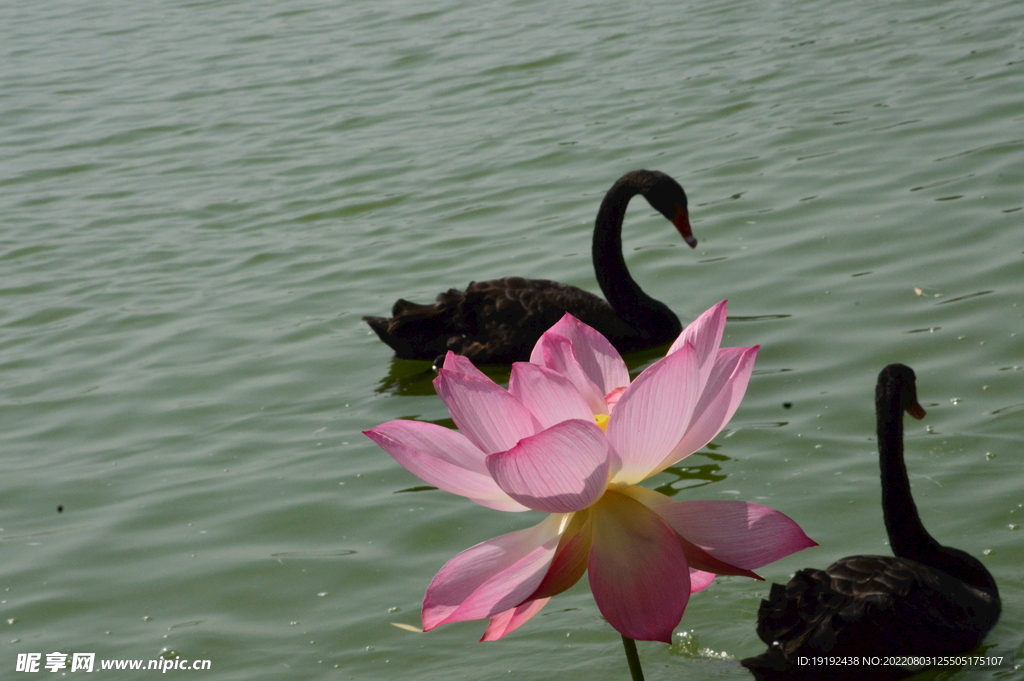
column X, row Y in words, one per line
column 682, row 223
column 916, row 410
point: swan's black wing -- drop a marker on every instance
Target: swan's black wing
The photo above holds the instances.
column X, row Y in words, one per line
column 493, row 322
column 874, row 606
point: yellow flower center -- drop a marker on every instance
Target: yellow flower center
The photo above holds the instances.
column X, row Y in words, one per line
column 602, row 421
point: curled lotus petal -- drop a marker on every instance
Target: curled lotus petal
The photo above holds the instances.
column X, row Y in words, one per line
column 462, row 365
column 700, row 580
column 705, row 334
column 559, row 470
column 598, row 358
column 556, row 353
column 549, row 395
column 612, row 398
column 512, row 619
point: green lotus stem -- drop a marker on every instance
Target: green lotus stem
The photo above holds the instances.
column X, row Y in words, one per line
column 633, row 658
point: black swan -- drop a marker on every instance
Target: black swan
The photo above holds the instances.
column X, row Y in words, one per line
column 499, row 321
column 930, row 600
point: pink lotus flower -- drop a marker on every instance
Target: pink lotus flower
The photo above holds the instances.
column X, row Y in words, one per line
column 573, row 437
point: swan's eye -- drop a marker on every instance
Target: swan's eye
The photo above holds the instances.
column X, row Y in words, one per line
column 602, row 421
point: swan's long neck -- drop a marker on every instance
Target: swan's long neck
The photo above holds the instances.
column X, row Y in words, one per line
column 907, row 535
column 631, row 304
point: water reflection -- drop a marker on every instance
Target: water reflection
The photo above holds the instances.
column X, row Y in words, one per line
column 1009, row 410
column 965, row 297
column 414, row 378
column 333, row 553
column 758, row 318
column 408, row 377
column 418, row 488
column 694, row 474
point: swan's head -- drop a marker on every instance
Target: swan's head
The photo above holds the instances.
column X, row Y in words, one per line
column 667, row 197
column 900, row 380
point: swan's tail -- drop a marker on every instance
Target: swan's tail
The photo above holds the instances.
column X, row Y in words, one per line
column 417, row 331
column 783, row 623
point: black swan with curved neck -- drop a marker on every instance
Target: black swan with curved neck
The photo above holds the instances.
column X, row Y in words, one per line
column 929, row 600
column 499, row 321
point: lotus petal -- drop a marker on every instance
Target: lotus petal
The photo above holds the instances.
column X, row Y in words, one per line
column 510, row 620
column 652, row 415
column 557, row 353
column 637, row 568
column 559, row 470
column 443, row 458
column 700, row 580
column 723, row 392
column 740, row 533
column 491, row 418
column 598, row 358
column 433, row 440
column 549, row 395
column 570, row 561
column 705, row 334
column 493, row 576
column 462, row 364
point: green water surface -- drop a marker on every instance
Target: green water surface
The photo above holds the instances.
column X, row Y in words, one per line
column 199, row 200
